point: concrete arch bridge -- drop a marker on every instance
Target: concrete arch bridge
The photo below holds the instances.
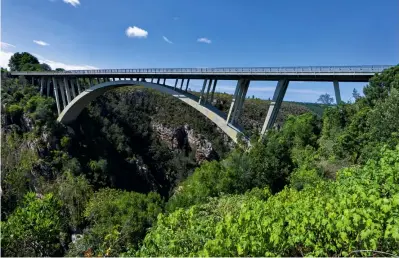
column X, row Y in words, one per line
column 74, row 90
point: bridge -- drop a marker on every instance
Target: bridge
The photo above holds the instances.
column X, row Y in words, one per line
column 74, row 89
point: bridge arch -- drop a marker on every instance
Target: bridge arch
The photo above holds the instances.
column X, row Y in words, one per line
column 75, row 107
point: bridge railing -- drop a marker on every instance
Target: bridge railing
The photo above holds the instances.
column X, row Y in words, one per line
column 230, row 70
column 341, row 69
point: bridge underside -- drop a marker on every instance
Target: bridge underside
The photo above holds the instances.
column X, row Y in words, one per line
column 74, row 108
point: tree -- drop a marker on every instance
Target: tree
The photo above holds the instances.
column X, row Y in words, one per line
column 74, row 192
column 325, row 99
column 18, row 61
column 355, row 94
column 34, row 228
column 59, row 69
column 118, row 220
column 380, row 85
column 45, row 67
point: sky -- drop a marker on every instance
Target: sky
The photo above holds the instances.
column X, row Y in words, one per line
column 90, row 34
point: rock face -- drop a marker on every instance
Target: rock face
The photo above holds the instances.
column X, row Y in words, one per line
column 184, row 139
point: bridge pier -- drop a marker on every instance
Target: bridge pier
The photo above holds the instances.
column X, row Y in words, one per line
column 181, row 84
column 241, row 99
column 213, row 90
column 77, row 82
column 41, row 85
column 275, row 104
column 57, row 100
column 48, row 87
column 158, row 80
column 207, row 91
column 62, row 92
column 202, row 92
column 188, row 81
column 68, row 93
column 237, row 101
column 176, row 83
column 72, row 81
column 337, row 92
column 91, row 82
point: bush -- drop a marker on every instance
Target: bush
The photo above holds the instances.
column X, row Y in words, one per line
column 118, row 220
column 184, row 232
column 34, row 228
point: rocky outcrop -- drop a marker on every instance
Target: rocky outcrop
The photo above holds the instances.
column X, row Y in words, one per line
column 185, row 139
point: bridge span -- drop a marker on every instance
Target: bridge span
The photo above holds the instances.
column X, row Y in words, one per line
column 74, row 89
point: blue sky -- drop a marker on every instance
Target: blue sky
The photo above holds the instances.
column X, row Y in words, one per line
column 208, row 33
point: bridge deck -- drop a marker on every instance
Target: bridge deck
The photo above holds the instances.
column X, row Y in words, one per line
column 323, row 73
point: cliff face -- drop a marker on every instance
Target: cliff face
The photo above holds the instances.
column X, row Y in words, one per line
column 182, row 128
column 184, row 138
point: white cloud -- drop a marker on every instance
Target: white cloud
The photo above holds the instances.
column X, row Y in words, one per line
column 74, row 3
column 41, row 43
column 6, row 45
column 167, row 40
column 4, row 58
column 204, row 40
column 136, row 32
column 56, row 64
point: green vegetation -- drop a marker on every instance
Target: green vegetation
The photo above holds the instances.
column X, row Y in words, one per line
column 112, row 185
column 34, row 228
column 358, row 211
column 118, row 220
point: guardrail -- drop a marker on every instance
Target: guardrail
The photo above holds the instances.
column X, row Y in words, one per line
column 251, row 70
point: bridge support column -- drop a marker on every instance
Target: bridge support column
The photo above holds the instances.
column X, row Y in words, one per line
column 91, row 82
column 72, row 81
column 238, row 101
column 177, row 80
column 68, row 94
column 57, row 101
column 158, row 80
column 62, row 92
column 41, row 86
column 202, row 91
column 241, row 99
column 152, row 80
column 77, row 82
column 181, row 84
column 233, row 102
column 275, row 104
column 207, row 91
column 188, row 81
column 48, row 86
column 337, row 92
column 213, row 90
column 164, row 81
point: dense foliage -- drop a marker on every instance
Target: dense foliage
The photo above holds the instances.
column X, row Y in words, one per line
column 34, row 228
column 325, row 183
column 358, row 211
column 118, row 220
